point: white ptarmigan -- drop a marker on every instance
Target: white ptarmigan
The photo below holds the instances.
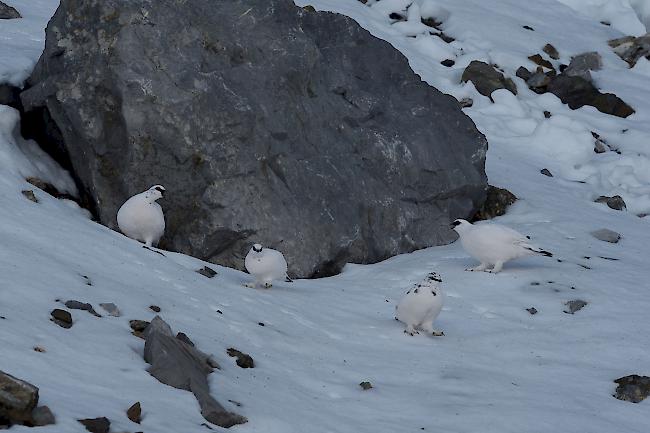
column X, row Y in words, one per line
column 141, row 218
column 494, row 244
column 421, row 306
column 265, row 265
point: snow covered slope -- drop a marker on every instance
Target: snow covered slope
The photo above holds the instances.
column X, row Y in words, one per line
column 497, row 369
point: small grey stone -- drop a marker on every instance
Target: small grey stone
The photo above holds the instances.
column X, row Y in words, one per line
column 207, row 272
column 631, row 49
column 523, row 73
column 546, row 172
column 581, row 64
column 606, row 235
column 154, row 308
column 551, row 51
column 575, row 305
column 448, row 63
column 76, row 305
column 532, row 310
column 244, row 360
column 111, row 309
column 96, row 425
column 615, row 202
column 41, row 416
column 62, row 318
column 29, row 194
column 633, row 388
column 138, row 325
column 365, row 385
column 486, row 78
column 538, row 79
column 466, row 102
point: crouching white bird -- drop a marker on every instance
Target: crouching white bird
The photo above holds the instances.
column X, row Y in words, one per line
column 141, row 218
column 265, row 265
column 494, row 244
column 421, row 306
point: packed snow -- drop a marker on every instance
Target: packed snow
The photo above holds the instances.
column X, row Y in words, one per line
column 497, row 369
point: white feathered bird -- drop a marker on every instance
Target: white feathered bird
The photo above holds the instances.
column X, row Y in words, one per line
column 265, row 265
column 141, row 218
column 494, row 244
column 421, row 306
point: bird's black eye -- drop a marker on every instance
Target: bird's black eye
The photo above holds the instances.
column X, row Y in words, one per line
column 455, row 223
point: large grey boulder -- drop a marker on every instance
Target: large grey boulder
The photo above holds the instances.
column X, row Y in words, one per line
column 266, row 123
column 7, row 12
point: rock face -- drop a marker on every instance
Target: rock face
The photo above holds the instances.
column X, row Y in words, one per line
column 266, row 123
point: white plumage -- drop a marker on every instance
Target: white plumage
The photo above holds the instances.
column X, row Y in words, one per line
column 141, row 218
column 494, row 244
column 265, row 265
column 421, row 306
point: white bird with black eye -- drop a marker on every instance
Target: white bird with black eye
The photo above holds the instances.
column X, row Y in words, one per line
column 141, row 217
column 265, row 265
column 494, row 244
column 421, row 306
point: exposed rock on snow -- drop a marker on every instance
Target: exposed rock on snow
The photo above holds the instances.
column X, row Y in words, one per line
column 578, row 92
column 259, row 113
column 182, row 366
column 207, row 272
column 606, row 235
column 496, row 204
column 111, row 309
column 632, row 388
column 575, row 305
column 583, row 63
column 18, row 404
column 631, row 49
column 29, row 195
column 7, row 12
column 546, row 172
column 486, row 78
column 76, row 305
column 541, row 61
column 62, row 318
column 532, row 310
column 615, row 202
column 365, row 385
column 244, row 360
column 96, row 425
column 134, row 413
column 551, row 51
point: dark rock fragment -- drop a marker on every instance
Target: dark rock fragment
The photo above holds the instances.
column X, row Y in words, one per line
column 243, row 359
column 633, row 388
column 62, row 318
column 498, row 200
column 96, row 425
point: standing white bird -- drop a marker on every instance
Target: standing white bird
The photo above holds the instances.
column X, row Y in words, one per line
column 141, row 218
column 421, row 306
column 494, row 244
column 265, row 265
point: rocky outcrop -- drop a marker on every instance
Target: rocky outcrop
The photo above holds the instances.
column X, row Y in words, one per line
column 178, row 364
column 7, row 12
column 266, row 123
